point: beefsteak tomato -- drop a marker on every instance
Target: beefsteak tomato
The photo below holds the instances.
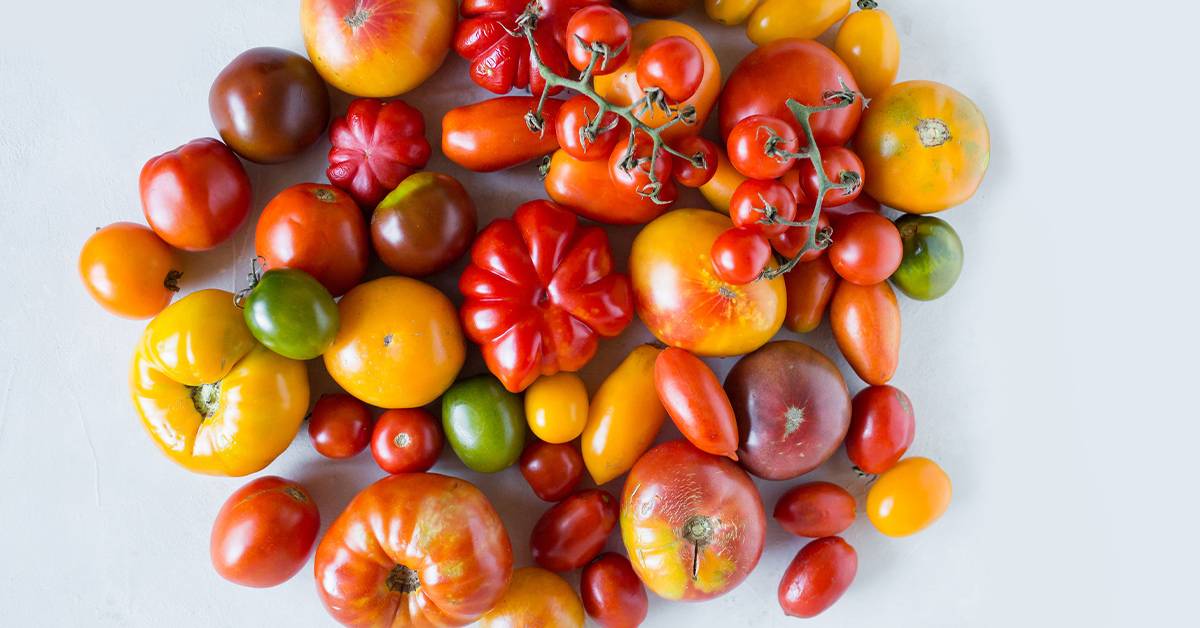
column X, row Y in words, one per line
column 376, row 145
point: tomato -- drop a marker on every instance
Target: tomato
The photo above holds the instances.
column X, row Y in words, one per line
column 553, row 470
column 196, row 196
column 926, row 146
column 406, row 440
column 817, row 577
column 377, row 48
column 688, row 173
column 536, row 599
column 792, row 240
column 317, row 229
column 682, row 301
column 773, row 20
column 720, row 188
column 269, row 104
column 740, row 255
column 484, row 423
column 841, row 165
column 586, row 188
column 633, row 172
column 882, row 427
column 792, row 408
column 339, row 426
column 695, row 401
column 624, row 417
column 212, row 399
column 572, row 129
column 424, row 225
column 933, row 257
column 868, row 43
column 810, row 288
column 573, row 531
column 556, row 407
column 291, row 313
column 491, row 135
column 908, row 497
column 861, row 204
column 866, row 248
column 416, row 549
column 866, row 327
column 749, row 142
column 264, row 532
column 376, row 145
column 749, row 203
column 673, row 65
column 399, row 344
column 815, row 510
column 729, row 12
column 693, row 523
column 129, row 270
column 597, row 30
column 613, row 594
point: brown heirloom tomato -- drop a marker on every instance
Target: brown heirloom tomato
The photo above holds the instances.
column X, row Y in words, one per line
column 815, row 510
column 810, row 288
column 129, row 270
column 552, row 470
column 317, row 229
column 693, row 397
column 424, row 225
column 866, row 326
column 536, row 599
column 612, row 592
column 340, row 426
column 264, row 532
column 414, row 549
column 882, row 426
column 195, row 196
column 818, row 575
column 491, row 135
column 573, row 531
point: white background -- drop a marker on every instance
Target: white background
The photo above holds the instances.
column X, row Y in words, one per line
column 1049, row 383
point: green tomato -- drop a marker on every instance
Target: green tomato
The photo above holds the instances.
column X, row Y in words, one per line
column 291, row 313
column 484, row 423
column 933, row 257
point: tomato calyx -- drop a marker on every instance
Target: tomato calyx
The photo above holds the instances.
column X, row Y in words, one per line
column 171, row 282
column 698, row 530
column 403, row 579
column 206, row 398
column 867, row 5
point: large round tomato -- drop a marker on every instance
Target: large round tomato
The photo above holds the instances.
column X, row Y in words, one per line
column 195, row 196
column 681, row 299
column 317, row 229
column 414, row 549
column 536, row 599
column 693, row 523
column 264, row 532
column 129, row 270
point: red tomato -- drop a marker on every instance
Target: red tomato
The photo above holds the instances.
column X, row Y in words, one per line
column 672, row 64
column 406, row 441
column 815, row 510
column 882, row 427
column 491, row 135
column 749, row 143
column 749, row 202
column 866, row 248
column 195, row 196
column 576, row 115
column 573, row 531
column 613, row 595
column 810, row 288
column 789, row 243
column 688, row 173
column 818, row 575
column 129, row 270
column 636, row 178
column 739, row 255
column 598, row 25
column 552, row 470
column 340, row 426
column 693, row 397
column 376, row 145
column 318, row 229
column 866, row 327
column 840, row 165
column 862, row 203
column 587, row 189
column 264, row 532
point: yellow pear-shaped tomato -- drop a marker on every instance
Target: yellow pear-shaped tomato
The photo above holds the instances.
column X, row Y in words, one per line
column 801, row 19
column 729, row 12
column 556, row 407
column 720, row 187
column 536, row 598
column 868, row 43
column 908, row 497
column 624, row 417
column 212, row 398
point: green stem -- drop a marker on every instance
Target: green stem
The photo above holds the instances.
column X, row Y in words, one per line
column 867, row 5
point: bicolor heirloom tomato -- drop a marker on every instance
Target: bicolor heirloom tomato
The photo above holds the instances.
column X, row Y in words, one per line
column 537, row 598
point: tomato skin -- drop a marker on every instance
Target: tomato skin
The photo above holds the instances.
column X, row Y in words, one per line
column 868, row 43
column 746, row 146
column 695, row 401
column 866, row 248
column 553, row 470
column 587, row 188
column 406, row 440
column 908, row 497
column 739, row 255
column 556, row 407
column 291, row 314
column 624, row 417
column 790, row 242
column 636, row 180
column 613, row 595
column 773, row 20
column 573, row 531
column 933, row 257
column 817, row 577
column 129, row 270
column 597, row 24
column 536, row 599
column 264, row 532
column 866, row 327
column 424, row 225
column 815, row 509
column 484, row 423
column 749, row 200
column 578, row 113
column 718, row 191
column 835, row 160
column 491, row 135
column 673, row 65
column 340, row 426
column 376, row 145
column 810, row 287
column 686, row 173
column 882, row 427
column 318, row 229
column 196, row 196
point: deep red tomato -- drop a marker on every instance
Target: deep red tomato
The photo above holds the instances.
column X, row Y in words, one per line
column 686, row 172
column 810, row 288
column 636, row 178
column 672, row 64
column 195, row 196
column 747, row 146
column 406, row 441
column 748, row 205
column 815, row 509
column 613, row 595
column 789, row 243
column 576, row 115
column 573, row 531
column 491, row 135
column 739, row 255
column 594, row 25
column 840, row 164
column 693, row 397
column 318, row 229
column 866, row 248
column 882, row 426
column 340, row 426
column 866, row 327
column 818, row 575
column 264, row 532
column 553, row 470
column 376, row 145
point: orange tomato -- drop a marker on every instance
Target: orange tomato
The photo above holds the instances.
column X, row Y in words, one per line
column 866, row 327
column 908, row 497
column 536, row 598
column 556, row 407
column 720, row 187
column 624, row 417
column 491, row 135
column 129, row 270
column 868, row 43
column 586, row 188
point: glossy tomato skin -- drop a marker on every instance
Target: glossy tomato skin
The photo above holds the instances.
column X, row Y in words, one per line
column 882, row 427
column 613, row 595
column 810, row 287
column 773, row 20
column 536, row 599
column 484, row 423
column 572, row 532
column 578, row 113
column 866, row 248
column 597, row 24
column 689, row 174
column 587, row 188
column 339, row 426
column 406, row 440
column 129, row 270
column 264, row 532
column 748, row 205
column 747, row 146
column 837, row 162
column 815, row 509
column 740, row 255
column 424, row 225
column 695, row 401
column 196, row 196
column 317, row 229
column 933, row 257
column 556, row 407
column 673, row 65
column 376, row 145
column 817, row 577
column 553, row 470
column 908, row 497
column 718, row 191
column 291, row 313
column 636, row 179
column 866, row 327
column 792, row 240
column 624, row 417
column 868, row 43
column 491, row 135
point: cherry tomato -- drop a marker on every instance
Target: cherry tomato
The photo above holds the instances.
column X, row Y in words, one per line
column 195, row 196
column 866, row 248
column 866, row 327
column 815, row 509
column 598, row 25
column 406, row 441
column 882, row 427
column 573, row 531
column 553, row 470
column 340, row 426
column 739, row 255
column 841, row 165
column 789, row 243
column 818, row 575
column 556, row 407
column 264, row 532
column 909, row 497
column 693, row 397
column 748, row 205
column 637, row 178
column 575, row 116
column 129, row 270
column 613, row 595
column 672, row 64
column 318, row 229
column 810, row 288
column 686, row 172
column 747, row 146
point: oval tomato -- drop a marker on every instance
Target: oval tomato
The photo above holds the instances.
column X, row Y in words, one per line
column 587, row 188
column 573, row 531
column 810, row 287
column 613, row 595
column 818, row 575
column 424, row 225
column 815, row 510
column 773, row 20
column 866, row 248
column 376, row 145
column 868, row 43
column 129, row 270
column 406, row 440
column 866, row 327
column 624, row 417
column 673, row 65
column 264, row 532
column 484, row 423
column 339, row 426
column 491, row 135
column 196, row 196
column 695, row 401
column 318, row 229
column 556, row 407
column 536, row 598
column 882, row 427
column 908, row 497
column 553, row 470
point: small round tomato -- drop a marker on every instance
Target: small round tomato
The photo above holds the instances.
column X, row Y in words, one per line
column 882, row 427
column 866, row 248
column 318, row 229
column 291, row 313
column 556, row 407
column 695, row 401
column 553, row 470
column 632, row 171
column 740, row 254
column 340, row 426
column 264, row 532
column 790, row 242
column 908, row 497
column 536, row 598
column 406, row 441
column 424, row 225
column 751, row 140
column 573, row 124
column 810, row 288
column 672, row 64
column 933, row 257
column 815, row 509
column 842, row 166
column 196, row 196
column 818, row 575
column 598, row 30
column 573, row 531
column 688, row 173
column 129, row 270
column 612, row 592
column 484, row 422
column 751, row 200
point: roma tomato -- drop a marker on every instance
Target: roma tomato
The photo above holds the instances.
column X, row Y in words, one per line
column 792, row 408
column 264, row 532
column 689, row 173
column 720, row 188
column 866, row 327
column 597, row 31
column 424, row 225
column 909, row 497
column 491, row 135
column 624, row 417
column 695, row 401
column 129, row 270
column 196, row 196
column 586, row 188
column 817, row 577
column 882, row 427
column 693, row 523
column 573, row 532
column 575, row 132
column 406, row 440
column 842, row 166
column 754, row 199
column 376, row 145
column 773, row 20
column 868, row 43
column 933, row 257
column 291, row 313
column 750, row 142
column 556, row 407
column 672, row 65
column 810, row 288
column 379, row 563
column 484, row 423
column 866, row 248
column 553, row 470
column 317, row 229
column 740, row 255
column 500, row 61
column 536, row 599
column 640, row 171
column 613, row 595
column 339, row 426
column 815, row 510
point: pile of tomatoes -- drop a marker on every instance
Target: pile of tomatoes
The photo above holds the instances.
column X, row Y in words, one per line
column 797, row 181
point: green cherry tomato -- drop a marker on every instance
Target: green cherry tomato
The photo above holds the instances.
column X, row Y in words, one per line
column 933, row 257
column 291, row 313
column 484, row 423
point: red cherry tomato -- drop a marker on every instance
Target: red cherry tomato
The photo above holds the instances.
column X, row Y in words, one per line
column 264, row 532
column 818, row 575
column 672, row 64
column 573, row 531
column 789, row 243
column 866, row 248
column 747, row 205
column 882, row 426
column 815, row 509
column 598, row 24
column 576, row 115
column 637, row 178
column 686, row 173
column 552, row 470
column 195, row 196
column 840, row 165
column 406, row 441
column 739, row 255
column 318, row 229
column 613, row 595
column 693, row 397
column 747, row 146
column 340, row 426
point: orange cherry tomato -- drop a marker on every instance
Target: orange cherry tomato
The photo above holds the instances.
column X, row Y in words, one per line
column 695, row 401
column 264, row 532
column 536, row 598
column 491, row 135
column 810, row 287
column 129, row 270
column 866, row 326
column 723, row 183
column 624, row 417
column 586, row 188
column 909, row 497
column 318, row 229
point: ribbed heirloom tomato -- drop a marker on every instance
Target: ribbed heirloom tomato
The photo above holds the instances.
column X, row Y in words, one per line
column 376, row 145
column 317, row 229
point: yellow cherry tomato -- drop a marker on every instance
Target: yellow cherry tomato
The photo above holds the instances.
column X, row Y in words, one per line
column 908, row 497
column 624, row 417
column 868, row 43
column 803, row 19
column 729, row 12
column 536, row 598
column 212, row 398
column 720, row 188
column 556, row 407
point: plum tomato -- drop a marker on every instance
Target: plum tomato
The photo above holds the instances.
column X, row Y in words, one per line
column 690, row 174
column 572, row 532
column 291, row 313
column 339, row 426
column 749, row 202
column 695, row 401
column 196, row 196
column 264, row 532
column 318, row 229
column 424, row 225
column 129, row 270
column 791, row 242
column 634, row 174
column 908, row 497
column 575, row 134
column 866, row 248
column 598, row 25
column 613, row 595
column 556, row 407
column 882, row 426
column 818, row 575
column 842, row 166
column 815, row 509
column 406, row 441
column 739, row 255
column 673, row 65
column 810, row 287
column 866, row 327
column 553, row 470
column 933, row 257
column 750, row 141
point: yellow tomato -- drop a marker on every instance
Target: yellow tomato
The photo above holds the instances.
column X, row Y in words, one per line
column 925, row 147
column 399, row 345
column 729, row 12
column 556, row 407
column 720, row 188
column 868, row 43
column 908, row 497
column 624, row 418
column 214, row 400
column 536, row 598
column 803, row 19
